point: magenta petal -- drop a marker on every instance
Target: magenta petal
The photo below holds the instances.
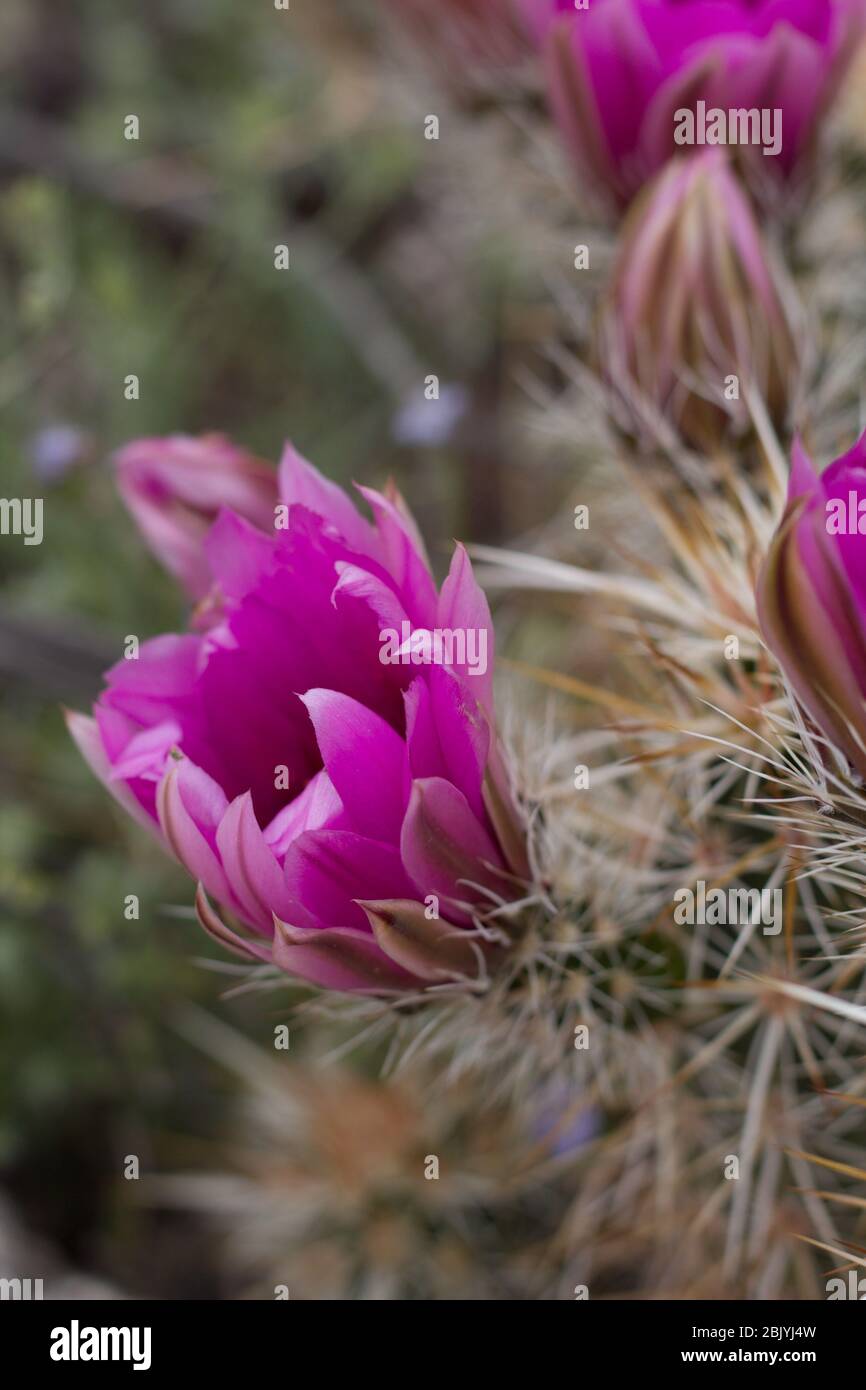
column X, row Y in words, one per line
column 317, row 808
column 287, row 635
column 254, row 722
column 447, row 734
column 366, row 761
column 404, row 563
column 116, row 731
column 855, row 458
column 445, row 848
column 253, row 873
column 224, row 936
column 190, row 807
column 396, row 499
column 302, row 484
column 809, row 621
column 146, row 752
column 784, row 70
column 433, row 950
column 86, row 733
column 624, row 67
column 803, row 481
column 823, row 560
column 462, row 604
column 148, row 687
column 238, row 554
column 844, row 477
column 380, row 598
column 326, row 870
column 161, row 686
column 337, row 958
column 681, row 90
column 574, row 107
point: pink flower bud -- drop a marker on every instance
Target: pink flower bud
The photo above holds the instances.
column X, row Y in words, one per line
column 175, row 487
column 695, row 318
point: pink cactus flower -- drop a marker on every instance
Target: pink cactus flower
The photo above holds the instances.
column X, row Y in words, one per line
column 812, row 597
column 620, row 71
column 322, row 757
